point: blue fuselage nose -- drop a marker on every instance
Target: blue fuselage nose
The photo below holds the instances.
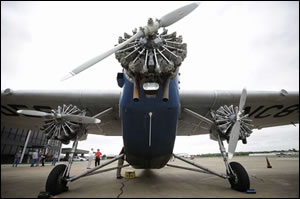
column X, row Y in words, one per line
column 149, row 126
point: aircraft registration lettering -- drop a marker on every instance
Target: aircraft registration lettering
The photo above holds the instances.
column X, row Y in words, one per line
column 264, row 112
column 287, row 111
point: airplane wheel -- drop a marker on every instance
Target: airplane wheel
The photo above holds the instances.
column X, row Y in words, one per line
column 55, row 183
column 240, row 179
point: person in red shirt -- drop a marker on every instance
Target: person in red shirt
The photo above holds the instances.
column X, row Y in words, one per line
column 98, row 156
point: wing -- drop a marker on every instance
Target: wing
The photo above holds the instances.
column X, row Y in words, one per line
column 265, row 108
column 93, row 101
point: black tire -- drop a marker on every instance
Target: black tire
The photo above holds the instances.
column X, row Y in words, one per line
column 55, row 183
column 240, row 180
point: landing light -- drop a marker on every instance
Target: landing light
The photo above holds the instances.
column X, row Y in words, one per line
column 151, row 86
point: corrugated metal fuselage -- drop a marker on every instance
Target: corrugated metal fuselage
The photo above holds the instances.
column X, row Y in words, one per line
column 149, row 126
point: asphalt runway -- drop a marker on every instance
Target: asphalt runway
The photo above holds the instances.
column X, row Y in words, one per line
column 281, row 181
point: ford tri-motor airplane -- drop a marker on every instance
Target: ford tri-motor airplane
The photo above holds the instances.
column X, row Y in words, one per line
column 150, row 111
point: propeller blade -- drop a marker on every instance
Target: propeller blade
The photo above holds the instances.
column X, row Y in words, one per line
column 80, row 119
column 177, row 14
column 98, row 58
column 71, row 118
column 165, row 21
column 233, row 139
column 35, row 113
column 243, row 99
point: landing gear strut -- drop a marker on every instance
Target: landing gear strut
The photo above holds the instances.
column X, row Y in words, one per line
column 238, row 176
column 235, row 172
column 60, row 175
column 57, row 179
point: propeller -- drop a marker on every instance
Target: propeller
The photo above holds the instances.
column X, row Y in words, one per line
column 68, row 117
column 150, row 29
column 35, row 113
column 235, row 131
column 177, row 14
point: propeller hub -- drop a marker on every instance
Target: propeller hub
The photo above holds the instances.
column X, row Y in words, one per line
column 232, row 118
column 150, row 22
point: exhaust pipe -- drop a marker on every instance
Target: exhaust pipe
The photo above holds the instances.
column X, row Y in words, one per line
column 136, row 95
column 166, row 90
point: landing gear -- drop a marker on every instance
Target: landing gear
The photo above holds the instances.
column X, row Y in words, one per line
column 56, row 183
column 239, row 179
column 230, row 123
column 235, row 172
column 238, row 176
column 57, row 179
column 60, row 175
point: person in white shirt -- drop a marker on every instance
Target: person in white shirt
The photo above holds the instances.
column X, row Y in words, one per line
column 91, row 155
column 55, row 157
column 35, row 156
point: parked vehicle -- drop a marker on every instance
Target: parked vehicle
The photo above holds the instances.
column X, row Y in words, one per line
column 76, row 158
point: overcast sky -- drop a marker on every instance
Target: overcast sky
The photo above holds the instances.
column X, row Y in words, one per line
column 231, row 45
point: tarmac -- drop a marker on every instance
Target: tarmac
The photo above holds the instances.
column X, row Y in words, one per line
column 280, row 181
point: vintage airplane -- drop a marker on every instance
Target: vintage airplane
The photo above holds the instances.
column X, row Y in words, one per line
column 150, row 111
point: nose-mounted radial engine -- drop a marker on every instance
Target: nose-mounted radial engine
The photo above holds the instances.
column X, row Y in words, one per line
column 151, row 60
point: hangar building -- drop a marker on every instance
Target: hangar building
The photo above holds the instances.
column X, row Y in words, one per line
column 14, row 139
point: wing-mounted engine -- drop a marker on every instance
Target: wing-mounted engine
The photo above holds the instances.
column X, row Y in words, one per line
column 65, row 123
column 229, row 123
column 63, row 129
column 232, row 124
column 225, row 118
column 151, row 60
